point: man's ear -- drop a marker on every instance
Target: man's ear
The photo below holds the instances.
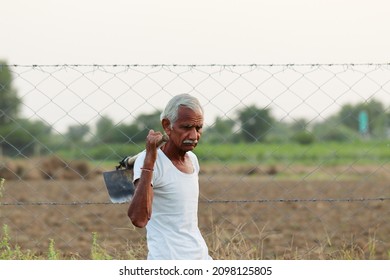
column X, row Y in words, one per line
column 166, row 124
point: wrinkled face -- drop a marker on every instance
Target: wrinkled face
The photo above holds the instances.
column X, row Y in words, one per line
column 187, row 129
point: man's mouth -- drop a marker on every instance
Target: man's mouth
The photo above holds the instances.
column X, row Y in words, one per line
column 190, row 142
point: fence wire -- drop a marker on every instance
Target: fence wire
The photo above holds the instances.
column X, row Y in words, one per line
column 294, row 157
column 82, row 203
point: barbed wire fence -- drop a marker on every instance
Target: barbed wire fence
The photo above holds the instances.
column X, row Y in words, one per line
column 264, row 205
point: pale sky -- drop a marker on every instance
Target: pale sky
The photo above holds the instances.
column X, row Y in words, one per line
column 194, row 32
column 201, row 32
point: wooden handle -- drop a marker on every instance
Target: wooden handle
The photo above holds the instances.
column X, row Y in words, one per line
column 164, row 139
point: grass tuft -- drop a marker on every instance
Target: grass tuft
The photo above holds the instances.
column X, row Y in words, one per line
column 97, row 252
column 2, row 180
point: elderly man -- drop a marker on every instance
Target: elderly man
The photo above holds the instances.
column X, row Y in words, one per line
column 167, row 188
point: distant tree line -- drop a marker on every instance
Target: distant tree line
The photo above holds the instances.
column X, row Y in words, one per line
column 22, row 137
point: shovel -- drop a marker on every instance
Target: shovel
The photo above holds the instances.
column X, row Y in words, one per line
column 119, row 182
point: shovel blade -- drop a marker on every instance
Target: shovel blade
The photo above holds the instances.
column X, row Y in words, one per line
column 119, row 185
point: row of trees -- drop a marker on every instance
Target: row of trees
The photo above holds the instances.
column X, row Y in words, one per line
column 250, row 124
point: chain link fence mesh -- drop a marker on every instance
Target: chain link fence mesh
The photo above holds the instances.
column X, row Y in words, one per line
column 310, row 184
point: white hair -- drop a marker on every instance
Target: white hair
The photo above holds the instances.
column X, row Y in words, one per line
column 171, row 109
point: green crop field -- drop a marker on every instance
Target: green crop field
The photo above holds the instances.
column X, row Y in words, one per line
column 319, row 153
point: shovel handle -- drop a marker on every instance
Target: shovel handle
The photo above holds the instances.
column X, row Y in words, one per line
column 163, row 140
column 131, row 160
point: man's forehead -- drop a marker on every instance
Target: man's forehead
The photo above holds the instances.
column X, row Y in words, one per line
column 184, row 110
column 189, row 116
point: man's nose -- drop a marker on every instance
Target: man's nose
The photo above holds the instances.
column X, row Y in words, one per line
column 193, row 135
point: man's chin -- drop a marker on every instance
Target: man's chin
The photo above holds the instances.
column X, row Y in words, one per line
column 189, row 147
